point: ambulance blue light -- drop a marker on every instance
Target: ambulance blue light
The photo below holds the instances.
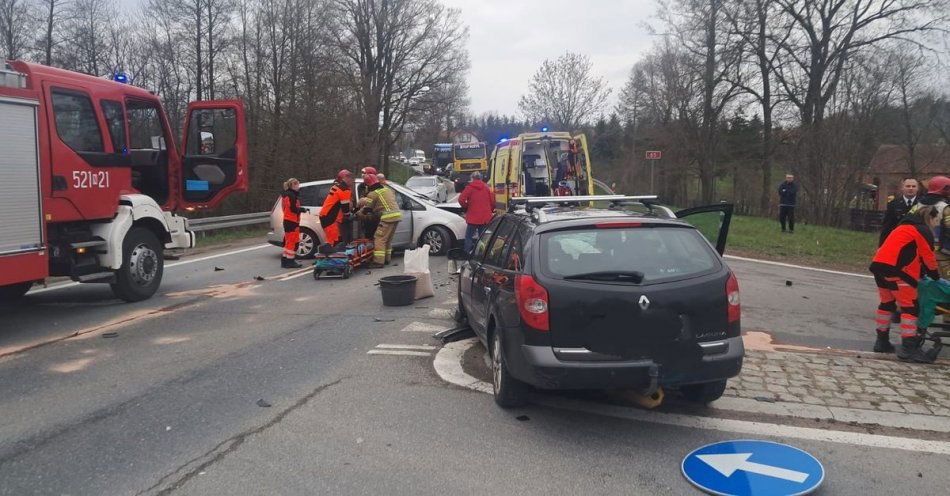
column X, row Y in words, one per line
column 544, row 129
column 121, row 77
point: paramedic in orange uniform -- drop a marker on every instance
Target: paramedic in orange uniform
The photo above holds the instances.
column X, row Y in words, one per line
column 897, row 269
column 290, row 201
column 337, row 206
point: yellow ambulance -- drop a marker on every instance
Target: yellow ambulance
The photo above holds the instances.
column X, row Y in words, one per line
column 540, row 164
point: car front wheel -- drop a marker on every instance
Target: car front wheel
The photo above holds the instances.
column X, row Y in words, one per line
column 438, row 239
column 509, row 392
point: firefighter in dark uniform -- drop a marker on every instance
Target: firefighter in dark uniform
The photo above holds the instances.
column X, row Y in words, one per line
column 898, row 207
column 290, row 203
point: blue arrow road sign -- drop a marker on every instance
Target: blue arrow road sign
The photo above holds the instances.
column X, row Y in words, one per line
column 749, row 468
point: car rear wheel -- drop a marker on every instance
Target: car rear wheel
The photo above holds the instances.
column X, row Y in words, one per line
column 509, row 392
column 438, row 239
column 704, row 393
column 308, row 244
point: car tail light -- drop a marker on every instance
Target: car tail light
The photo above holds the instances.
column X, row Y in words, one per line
column 732, row 299
column 532, row 302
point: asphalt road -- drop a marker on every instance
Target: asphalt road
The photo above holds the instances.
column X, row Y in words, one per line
column 171, row 403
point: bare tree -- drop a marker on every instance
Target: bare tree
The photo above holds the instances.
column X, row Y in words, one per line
column 51, row 11
column 86, row 32
column 752, row 22
column 564, row 93
column 393, row 52
column 825, row 37
column 715, row 56
column 16, row 23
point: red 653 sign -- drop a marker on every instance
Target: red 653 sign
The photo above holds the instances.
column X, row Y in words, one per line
column 654, row 155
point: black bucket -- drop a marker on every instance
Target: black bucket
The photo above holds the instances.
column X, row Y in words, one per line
column 398, row 291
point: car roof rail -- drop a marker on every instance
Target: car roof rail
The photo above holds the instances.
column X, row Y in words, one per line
column 529, row 203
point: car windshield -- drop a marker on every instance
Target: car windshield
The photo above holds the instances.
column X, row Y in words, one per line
column 421, row 182
column 636, row 254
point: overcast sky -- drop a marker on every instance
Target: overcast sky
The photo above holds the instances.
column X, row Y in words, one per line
column 508, row 40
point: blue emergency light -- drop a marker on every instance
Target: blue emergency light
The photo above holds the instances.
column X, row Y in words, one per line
column 544, row 129
column 121, row 77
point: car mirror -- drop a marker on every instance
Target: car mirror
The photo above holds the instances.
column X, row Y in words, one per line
column 458, row 254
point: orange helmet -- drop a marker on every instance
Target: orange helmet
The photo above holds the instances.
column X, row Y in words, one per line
column 370, row 179
column 939, row 185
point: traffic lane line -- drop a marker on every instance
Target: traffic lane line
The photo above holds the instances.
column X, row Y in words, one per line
column 167, row 266
column 801, row 267
column 421, row 347
column 448, row 366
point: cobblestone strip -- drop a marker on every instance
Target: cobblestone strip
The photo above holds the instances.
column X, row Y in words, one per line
column 842, row 381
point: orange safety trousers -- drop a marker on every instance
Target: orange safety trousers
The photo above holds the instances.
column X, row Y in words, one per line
column 897, row 297
column 291, row 238
column 333, row 233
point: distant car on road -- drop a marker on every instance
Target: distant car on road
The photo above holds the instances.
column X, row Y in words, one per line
column 423, row 222
column 460, row 180
column 433, row 187
column 626, row 297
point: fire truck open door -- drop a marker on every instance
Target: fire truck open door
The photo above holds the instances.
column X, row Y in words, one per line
column 214, row 160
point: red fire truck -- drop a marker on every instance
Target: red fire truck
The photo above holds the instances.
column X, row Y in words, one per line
column 91, row 177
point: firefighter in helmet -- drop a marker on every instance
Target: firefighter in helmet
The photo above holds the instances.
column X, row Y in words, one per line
column 381, row 204
column 337, row 206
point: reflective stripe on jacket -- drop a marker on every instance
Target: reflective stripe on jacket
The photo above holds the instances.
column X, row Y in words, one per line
column 382, row 201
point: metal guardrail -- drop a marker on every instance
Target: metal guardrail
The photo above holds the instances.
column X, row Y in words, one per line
column 226, row 221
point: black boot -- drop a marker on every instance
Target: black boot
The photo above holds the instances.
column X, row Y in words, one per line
column 289, row 263
column 911, row 350
column 883, row 343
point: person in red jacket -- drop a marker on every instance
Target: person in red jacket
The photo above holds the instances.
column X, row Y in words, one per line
column 290, row 203
column 477, row 201
column 897, row 269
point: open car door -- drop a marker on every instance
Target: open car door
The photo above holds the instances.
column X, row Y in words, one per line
column 585, row 182
column 214, row 160
column 712, row 221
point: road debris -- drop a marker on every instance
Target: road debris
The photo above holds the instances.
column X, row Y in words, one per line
column 258, row 278
column 378, row 319
column 788, row 283
column 263, row 404
column 217, row 269
column 522, row 418
column 110, row 335
column 454, row 334
column 764, row 399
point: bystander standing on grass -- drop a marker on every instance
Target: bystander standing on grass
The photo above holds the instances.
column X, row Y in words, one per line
column 787, row 200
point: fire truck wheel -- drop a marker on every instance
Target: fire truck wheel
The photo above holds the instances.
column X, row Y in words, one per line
column 13, row 292
column 142, row 266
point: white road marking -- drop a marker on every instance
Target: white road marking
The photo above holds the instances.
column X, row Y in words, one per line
column 406, row 346
column 441, row 313
column 423, row 327
column 398, row 352
column 448, row 365
column 803, row 267
column 167, row 266
column 296, row 274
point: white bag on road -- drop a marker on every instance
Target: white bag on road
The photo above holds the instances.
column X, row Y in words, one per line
column 416, row 263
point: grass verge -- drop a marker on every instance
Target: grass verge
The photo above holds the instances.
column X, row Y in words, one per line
column 820, row 246
column 225, row 236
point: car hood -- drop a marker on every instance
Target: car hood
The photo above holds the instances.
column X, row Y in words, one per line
column 453, row 207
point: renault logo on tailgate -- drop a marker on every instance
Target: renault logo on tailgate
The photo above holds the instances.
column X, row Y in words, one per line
column 644, row 302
